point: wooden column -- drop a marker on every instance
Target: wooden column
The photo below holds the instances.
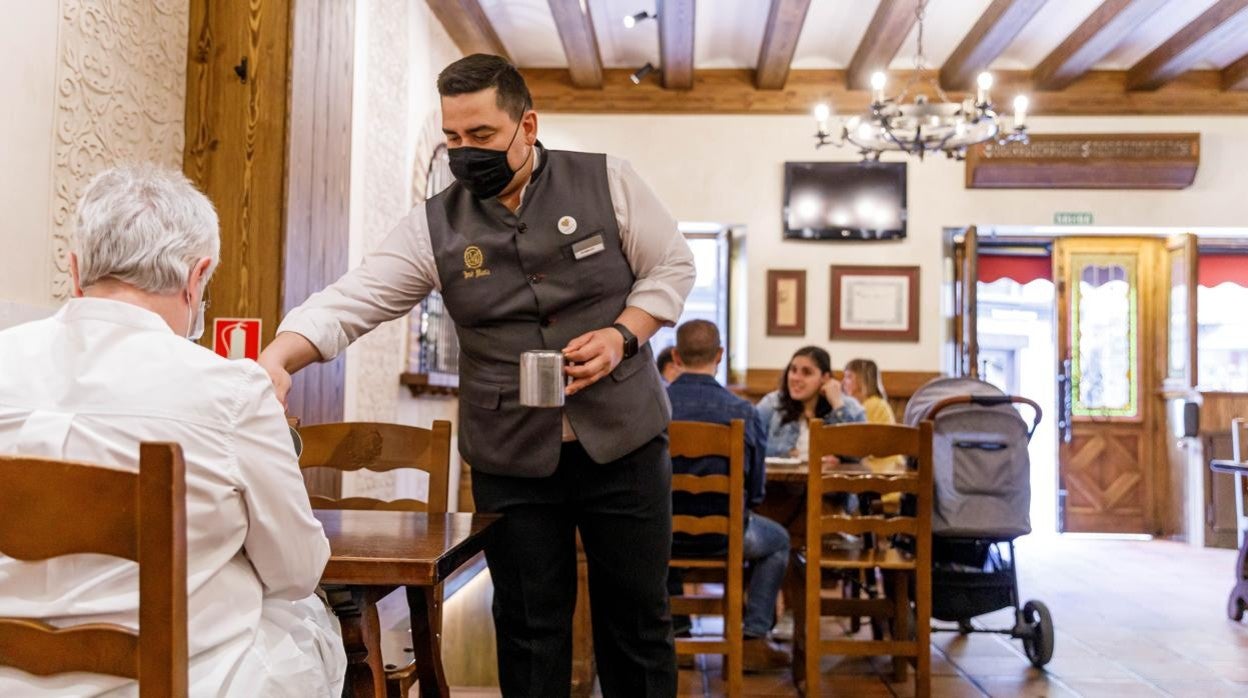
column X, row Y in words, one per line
column 269, row 83
column 318, row 189
column 236, row 147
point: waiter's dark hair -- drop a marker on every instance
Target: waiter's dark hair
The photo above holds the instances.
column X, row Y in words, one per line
column 481, row 71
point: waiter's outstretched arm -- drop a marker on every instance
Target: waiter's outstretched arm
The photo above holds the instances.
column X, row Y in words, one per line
column 387, row 284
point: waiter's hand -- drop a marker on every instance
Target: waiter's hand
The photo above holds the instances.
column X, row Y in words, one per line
column 280, row 378
column 595, row 354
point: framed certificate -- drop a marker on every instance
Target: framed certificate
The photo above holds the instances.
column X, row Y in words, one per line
column 786, row 302
column 875, row 303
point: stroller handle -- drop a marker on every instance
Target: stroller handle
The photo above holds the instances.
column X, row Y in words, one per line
column 990, row 401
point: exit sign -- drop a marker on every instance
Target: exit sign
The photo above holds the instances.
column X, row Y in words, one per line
column 1072, row 218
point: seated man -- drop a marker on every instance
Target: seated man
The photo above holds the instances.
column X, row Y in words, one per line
column 697, row 397
column 112, row 368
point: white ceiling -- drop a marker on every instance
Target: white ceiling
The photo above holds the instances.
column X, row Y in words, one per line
column 729, row 33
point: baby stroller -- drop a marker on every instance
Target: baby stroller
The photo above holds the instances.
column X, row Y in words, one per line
column 983, row 492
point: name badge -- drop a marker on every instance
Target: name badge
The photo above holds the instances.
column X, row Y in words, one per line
column 588, row 247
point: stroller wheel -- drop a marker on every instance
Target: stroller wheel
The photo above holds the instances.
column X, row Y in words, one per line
column 1039, row 643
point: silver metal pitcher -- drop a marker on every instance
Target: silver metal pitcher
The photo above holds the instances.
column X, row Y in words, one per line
column 541, row 378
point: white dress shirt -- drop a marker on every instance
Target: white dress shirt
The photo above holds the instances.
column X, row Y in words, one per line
column 391, row 280
column 89, row 384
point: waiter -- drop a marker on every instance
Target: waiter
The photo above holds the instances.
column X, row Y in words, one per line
column 531, row 249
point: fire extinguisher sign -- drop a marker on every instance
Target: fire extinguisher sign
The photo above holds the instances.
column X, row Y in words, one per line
column 236, row 338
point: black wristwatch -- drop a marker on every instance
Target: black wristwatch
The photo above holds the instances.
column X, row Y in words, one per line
column 630, row 340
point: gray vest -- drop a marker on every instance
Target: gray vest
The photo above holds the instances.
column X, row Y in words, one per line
column 511, row 283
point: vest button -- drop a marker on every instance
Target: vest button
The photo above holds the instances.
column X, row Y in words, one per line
column 522, row 228
column 547, row 321
column 536, row 278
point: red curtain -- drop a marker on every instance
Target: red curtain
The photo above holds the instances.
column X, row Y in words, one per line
column 1020, row 269
column 1222, row 268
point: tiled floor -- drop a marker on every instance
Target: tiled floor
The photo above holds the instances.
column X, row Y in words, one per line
column 1133, row 618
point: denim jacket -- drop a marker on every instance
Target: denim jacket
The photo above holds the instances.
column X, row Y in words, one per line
column 782, row 437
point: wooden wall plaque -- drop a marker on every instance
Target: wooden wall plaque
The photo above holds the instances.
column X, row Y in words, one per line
column 1086, row 161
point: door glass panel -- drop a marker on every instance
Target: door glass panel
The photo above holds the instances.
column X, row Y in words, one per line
column 1103, row 331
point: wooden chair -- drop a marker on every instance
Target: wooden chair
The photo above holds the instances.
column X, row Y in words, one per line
column 694, row 440
column 910, row 630
column 53, row 508
column 381, row 447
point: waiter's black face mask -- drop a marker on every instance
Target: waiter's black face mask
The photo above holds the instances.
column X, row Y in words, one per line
column 485, row 172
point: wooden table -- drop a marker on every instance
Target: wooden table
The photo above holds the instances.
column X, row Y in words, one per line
column 374, row 552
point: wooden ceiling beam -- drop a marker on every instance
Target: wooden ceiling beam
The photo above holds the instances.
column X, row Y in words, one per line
column 890, row 25
column 676, row 43
column 468, row 26
column 733, row 92
column 1226, row 20
column 1099, row 34
column 784, row 26
column 989, row 38
column 580, row 43
column 1235, row 75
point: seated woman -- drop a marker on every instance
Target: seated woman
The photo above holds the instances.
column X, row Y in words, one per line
column 807, row 390
column 861, row 380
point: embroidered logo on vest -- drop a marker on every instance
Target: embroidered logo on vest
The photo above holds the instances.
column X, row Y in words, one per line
column 473, row 259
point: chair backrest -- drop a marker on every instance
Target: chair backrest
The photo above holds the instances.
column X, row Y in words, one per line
column 380, row 447
column 698, row 439
column 862, row 441
column 53, row 508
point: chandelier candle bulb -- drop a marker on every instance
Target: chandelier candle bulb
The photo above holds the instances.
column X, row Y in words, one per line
column 984, row 82
column 1020, row 110
column 822, row 112
column 878, row 81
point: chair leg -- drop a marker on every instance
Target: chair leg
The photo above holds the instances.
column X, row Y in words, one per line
column 795, row 583
column 901, row 621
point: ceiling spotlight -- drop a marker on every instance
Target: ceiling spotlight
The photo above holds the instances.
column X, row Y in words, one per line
column 641, row 73
column 631, row 21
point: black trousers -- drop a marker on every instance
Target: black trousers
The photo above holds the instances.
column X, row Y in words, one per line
column 623, row 510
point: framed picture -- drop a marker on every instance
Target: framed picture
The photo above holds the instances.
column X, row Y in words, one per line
column 875, row 303
column 786, row 302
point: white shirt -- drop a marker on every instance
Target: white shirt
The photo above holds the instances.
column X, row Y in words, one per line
column 89, row 384
column 396, row 276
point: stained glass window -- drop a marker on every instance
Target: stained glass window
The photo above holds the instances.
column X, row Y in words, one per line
column 1104, row 337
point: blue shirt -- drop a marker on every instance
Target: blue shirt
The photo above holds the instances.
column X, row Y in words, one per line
column 700, row 398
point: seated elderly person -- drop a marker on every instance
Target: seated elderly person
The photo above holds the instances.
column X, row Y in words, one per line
column 114, row 368
column 697, row 397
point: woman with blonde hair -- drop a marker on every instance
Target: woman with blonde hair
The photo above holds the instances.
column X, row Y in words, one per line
column 861, row 380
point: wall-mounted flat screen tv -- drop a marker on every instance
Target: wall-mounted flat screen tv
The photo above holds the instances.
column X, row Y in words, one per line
column 844, row 200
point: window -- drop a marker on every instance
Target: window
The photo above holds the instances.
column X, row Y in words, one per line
column 711, row 246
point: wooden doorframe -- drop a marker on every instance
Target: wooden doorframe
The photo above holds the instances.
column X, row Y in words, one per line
column 1150, row 362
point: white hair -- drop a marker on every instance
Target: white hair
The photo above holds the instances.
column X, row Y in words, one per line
column 146, row 226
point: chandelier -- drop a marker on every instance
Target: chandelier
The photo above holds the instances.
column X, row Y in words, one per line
column 922, row 126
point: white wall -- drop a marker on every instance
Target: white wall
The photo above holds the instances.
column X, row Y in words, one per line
column 730, row 169
column 28, row 34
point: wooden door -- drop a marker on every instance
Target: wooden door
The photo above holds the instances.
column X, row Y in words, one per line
column 1109, row 293
column 966, row 313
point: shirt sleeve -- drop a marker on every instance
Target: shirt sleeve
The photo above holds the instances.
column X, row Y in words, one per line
column 755, row 452
column 850, row 411
column 656, row 250
column 285, row 543
column 386, row 285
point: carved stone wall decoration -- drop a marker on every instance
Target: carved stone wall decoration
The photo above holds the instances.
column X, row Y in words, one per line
column 1087, row 161
column 121, row 92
